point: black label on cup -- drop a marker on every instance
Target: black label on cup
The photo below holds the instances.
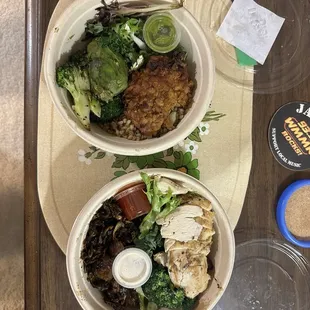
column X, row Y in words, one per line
column 289, row 135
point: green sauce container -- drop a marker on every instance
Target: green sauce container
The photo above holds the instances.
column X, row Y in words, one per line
column 161, row 33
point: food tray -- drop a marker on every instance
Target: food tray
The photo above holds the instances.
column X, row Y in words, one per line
column 218, row 152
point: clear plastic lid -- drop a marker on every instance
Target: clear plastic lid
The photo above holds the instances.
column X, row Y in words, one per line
column 162, row 32
column 268, row 274
column 132, row 268
column 288, row 63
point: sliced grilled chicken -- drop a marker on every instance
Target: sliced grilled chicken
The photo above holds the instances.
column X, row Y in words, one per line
column 181, row 225
column 189, row 272
column 186, row 252
column 161, row 258
column 195, row 247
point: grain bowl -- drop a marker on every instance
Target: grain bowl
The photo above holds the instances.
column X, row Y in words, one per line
column 128, row 133
column 81, row 255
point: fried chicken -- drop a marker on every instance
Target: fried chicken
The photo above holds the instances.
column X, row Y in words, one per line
column 154, row 92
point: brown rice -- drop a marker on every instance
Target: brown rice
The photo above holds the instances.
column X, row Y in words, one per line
column 123, row 127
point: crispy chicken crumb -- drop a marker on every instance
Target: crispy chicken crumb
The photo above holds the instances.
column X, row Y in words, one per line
column 156, row 91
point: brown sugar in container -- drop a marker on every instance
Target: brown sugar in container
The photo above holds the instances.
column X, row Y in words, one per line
column 293, row 213
column 297, row 215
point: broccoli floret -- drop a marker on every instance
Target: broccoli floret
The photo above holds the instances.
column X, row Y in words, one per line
column 160, row 290
column 188, row 303
column 115, row 43
column 80, row 59
column 73, row 77
column 95, row 106
column 109, row 110
column 112, row 109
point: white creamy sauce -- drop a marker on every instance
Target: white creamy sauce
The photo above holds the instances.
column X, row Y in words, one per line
column 132, row 267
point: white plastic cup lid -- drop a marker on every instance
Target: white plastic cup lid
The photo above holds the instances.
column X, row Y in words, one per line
column 132, row 268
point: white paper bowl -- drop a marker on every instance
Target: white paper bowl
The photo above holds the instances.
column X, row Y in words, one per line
column 69, row 29
column 222, row 252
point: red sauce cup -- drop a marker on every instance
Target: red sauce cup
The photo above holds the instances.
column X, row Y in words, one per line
column 133, row 201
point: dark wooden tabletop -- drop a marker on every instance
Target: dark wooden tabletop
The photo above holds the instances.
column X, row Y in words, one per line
column 46, row 282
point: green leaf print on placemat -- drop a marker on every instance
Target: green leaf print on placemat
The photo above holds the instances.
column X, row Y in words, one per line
column 177, row 161
column 179, row 157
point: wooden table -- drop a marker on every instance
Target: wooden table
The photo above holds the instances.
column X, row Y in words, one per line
column 46, row 283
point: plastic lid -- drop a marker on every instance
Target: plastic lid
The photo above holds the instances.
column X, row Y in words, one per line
column 268, row 275
column 287, row 64
column 132, row 268
column 161, row 33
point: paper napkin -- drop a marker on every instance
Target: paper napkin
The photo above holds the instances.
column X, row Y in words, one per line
column 251, row 28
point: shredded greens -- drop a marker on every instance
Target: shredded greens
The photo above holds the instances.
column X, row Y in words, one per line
column 157, row 200
column 116, row 8
column 170, row 207
column 109, row 13
column 151, row 242
column 129, row 28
